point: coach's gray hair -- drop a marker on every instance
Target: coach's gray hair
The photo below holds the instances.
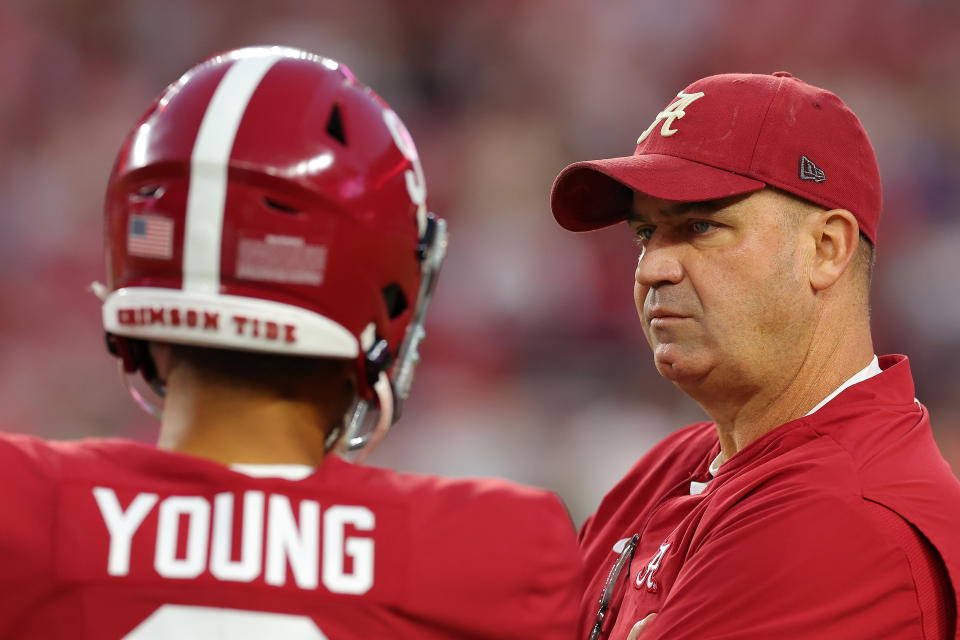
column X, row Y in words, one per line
column 863, row 260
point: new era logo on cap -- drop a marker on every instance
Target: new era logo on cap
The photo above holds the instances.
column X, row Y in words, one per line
column 810, row 171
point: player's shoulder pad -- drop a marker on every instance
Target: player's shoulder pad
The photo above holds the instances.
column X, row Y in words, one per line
column 25, row 452
column 486, row 512
column 498, row 554
column 462, row 500
column 22, row 453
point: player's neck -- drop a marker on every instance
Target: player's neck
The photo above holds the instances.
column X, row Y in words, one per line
column 229, row 425
column 823, row 367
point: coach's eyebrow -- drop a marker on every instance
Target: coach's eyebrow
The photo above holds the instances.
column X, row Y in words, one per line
column 706, row 207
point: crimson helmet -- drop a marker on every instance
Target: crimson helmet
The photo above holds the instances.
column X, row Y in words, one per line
column 268, row 201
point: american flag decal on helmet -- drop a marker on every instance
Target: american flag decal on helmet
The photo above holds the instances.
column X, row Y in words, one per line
column 150, row 237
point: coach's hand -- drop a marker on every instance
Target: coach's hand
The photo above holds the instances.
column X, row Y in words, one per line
column 640, row 626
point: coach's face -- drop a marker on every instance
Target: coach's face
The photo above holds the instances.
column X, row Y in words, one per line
column 719, row 291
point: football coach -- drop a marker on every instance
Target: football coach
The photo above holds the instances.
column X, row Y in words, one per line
column 814, row 503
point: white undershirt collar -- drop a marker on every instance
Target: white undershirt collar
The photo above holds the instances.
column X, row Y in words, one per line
column 285, row 471
column 872, row 369
column 866, row 373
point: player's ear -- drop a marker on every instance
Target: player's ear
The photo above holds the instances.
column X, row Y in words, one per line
column 835, row 237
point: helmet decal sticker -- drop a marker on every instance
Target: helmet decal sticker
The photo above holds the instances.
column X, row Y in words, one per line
column 150, row 237
column 277, row 258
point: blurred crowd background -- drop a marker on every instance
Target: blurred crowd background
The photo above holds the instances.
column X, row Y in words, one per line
column 535, row 368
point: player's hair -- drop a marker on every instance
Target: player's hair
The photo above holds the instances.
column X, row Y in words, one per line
column 285, row 374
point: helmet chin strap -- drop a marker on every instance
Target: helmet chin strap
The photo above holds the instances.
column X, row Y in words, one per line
column 384, row 420
column 349, row 440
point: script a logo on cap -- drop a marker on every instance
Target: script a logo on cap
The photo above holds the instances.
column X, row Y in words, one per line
column 673, row 112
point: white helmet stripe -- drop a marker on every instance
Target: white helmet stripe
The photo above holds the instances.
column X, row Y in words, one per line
column 208, row 172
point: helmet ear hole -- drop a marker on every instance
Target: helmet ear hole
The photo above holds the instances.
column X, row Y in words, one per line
column 395, row 300
column 335, row 126
column 120, row 347
column 140, row 349
column 134, row 353
column 279, row 206
column 147, row 192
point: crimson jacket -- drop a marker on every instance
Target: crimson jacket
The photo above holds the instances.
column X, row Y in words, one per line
column 842, row 524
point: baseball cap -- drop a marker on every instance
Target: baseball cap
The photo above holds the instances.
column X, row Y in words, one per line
column 728, row 135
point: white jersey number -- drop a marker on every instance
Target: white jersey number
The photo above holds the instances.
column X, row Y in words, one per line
column 185, row 622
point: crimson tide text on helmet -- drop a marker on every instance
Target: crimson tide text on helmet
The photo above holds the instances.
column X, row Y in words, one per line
column 268, row 201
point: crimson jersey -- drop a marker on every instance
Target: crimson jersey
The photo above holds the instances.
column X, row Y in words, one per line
column 843, row 524
column 112, row 540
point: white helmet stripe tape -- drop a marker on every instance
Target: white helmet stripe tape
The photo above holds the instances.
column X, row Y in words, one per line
column 208, row 172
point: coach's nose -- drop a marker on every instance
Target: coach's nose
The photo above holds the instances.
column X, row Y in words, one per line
column 659, row 264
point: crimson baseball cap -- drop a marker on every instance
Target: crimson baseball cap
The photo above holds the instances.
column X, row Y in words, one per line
column 728, row 135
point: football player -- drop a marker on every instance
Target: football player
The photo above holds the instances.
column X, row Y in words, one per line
column 270, row 261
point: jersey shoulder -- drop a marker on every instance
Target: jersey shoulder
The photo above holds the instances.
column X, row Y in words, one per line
column 490, row 557
column 52, row 456
column 31, row 470
column 487, row 513
column 23, row 452
column 31, row 463
column 450, row 498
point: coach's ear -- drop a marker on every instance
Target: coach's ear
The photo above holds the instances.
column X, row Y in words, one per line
column 835, row 237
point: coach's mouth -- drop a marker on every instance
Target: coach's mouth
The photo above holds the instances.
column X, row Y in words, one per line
column 658, row 316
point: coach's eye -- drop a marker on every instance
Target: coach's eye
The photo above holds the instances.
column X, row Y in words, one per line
column 701, row 226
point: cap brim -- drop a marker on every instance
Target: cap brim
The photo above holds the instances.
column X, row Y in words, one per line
column 598, row 193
